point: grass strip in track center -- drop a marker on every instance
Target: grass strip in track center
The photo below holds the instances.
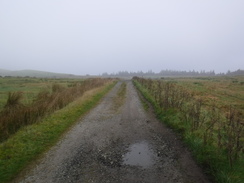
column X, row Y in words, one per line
column 33, row 140
column 120, row 96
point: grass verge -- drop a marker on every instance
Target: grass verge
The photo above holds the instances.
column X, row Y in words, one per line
column 214, row 164
column 31, row 141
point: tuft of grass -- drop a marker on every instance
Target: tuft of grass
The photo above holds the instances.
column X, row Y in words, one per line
column 14, row 99
column 31, row 141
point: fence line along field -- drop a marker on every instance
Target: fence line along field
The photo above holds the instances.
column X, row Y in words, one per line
column 24, row 101
column 209, row 113
column 224, row 91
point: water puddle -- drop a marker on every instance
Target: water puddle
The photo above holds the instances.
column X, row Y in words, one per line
column 139, row 155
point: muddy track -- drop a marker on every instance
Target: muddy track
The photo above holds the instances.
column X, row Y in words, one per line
column 117, row 144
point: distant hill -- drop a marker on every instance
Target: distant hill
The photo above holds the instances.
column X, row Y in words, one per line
column 3, row 72
column 35, row 73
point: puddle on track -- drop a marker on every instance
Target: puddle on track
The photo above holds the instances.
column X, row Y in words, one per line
column 139, row 154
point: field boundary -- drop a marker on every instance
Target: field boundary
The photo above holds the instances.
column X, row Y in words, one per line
column 214, row 164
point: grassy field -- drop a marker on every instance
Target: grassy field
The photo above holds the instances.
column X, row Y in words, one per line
column 29, row 141
column 26, row 101
column 30, row 87
column 224, row 91
column 209, row 114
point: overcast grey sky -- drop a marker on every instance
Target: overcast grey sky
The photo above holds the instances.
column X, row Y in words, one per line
column 96, row 36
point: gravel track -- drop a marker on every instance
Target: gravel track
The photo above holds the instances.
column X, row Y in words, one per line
column 126, row 144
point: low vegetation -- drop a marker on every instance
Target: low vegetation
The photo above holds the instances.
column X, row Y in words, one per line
column 208, row 112
column 64, row 107
column 30, row 87
column 15, row 114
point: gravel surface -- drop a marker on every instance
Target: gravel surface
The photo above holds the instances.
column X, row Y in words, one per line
column 126, row 144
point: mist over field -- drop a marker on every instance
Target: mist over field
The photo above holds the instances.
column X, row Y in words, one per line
column 93, row 37
column 90, row 88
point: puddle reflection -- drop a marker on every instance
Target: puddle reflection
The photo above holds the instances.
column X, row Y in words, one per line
column 139, row 155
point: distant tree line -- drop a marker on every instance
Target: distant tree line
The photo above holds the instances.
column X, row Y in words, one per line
column 173, row 73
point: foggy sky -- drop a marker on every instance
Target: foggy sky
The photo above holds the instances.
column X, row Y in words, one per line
column 96, row 36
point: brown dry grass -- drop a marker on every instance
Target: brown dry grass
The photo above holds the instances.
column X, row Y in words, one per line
column 15, row 115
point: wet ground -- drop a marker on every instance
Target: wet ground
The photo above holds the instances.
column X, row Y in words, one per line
column 126, row 144
column 140, row 154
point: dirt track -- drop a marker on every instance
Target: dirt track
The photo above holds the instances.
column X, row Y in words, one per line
column 124, row 144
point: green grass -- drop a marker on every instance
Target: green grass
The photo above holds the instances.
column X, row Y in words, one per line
column 31, row 141
column 213, row 160
column 17, row 114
